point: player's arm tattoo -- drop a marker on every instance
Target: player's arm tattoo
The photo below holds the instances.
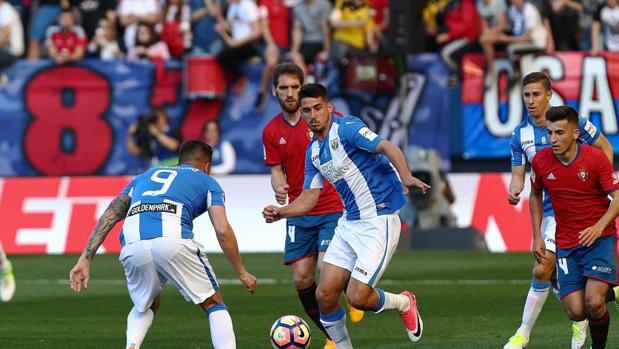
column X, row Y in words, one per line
column 116, row 211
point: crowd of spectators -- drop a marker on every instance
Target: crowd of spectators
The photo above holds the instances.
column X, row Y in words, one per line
column 308, row 32
column 517, row 27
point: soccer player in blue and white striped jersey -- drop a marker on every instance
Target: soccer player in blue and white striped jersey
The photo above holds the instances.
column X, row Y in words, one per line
column 363, row 167
column 159, row 207
column 527, row 139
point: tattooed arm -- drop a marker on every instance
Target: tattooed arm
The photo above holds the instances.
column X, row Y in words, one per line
column 116, row 211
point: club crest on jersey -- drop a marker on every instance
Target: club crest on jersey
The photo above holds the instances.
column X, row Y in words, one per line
column 582, row 174
column 615, row 179
column 310, row 134
column 335, row 144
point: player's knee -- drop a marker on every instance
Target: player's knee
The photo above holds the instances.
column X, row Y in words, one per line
column 542, row 272
column 302, row 281
column 595, row 306
column 326, row 297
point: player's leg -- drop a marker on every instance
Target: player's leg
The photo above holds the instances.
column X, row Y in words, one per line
column 334, row 276
column 597, row 313
column 570, row 277
column 7, row 279
column 374, row 242
column 300, row 252
column 222, row 332
column 184, row 263
column 333, row 279
column 144, row 285
column 539, row 289
column 599, row 266
column 325, row 235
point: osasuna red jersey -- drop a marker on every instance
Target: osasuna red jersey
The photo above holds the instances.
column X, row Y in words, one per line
column 578, row 191
column 285, row 144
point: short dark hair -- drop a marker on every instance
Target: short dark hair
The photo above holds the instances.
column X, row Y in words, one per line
column 287, row 68
column 194, row 150
column 313, row 91
column 534, row 77
column 562, row 113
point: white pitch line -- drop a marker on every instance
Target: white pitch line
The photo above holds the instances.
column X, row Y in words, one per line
column 271, row 281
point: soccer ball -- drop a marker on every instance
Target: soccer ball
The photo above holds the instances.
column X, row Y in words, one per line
column 290, row 332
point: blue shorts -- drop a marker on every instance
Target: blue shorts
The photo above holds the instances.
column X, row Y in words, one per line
column 576, row 265
column 308, row 235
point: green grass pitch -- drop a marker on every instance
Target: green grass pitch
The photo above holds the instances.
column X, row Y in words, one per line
column 467, row 300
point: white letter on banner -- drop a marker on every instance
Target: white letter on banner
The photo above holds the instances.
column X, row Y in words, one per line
column 554, row 68
column 594, row 78
column 491, row 103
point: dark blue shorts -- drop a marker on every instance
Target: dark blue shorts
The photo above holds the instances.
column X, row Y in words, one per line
column 576, row 265
column 308, row 235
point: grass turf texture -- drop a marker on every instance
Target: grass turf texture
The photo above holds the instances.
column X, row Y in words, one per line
column 467, row 300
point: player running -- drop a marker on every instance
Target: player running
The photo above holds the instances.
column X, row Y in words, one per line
column 527, row 139
column 285, row 139
column 360, row 165
column 578, row 178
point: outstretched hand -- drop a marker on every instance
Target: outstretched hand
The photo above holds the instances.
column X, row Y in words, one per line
column 80, row 275
column 414, row 182
column 271, row 214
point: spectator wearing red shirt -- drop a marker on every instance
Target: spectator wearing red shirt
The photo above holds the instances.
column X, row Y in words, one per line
column 381, row 18
column 67, row 41
column 275, row 20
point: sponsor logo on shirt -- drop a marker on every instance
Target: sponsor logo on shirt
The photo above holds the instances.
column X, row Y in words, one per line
column 551, row 177
column 282, row 141
column 162, row 207
column 332, row 173
column 532, row 176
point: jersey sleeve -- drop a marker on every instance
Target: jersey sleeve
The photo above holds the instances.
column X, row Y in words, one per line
column 536, row 178
column 215, row 195
column 271, row 155
column 313, row 178
column 128, row 190
column 355, row 131
column 606, row 175
column 518, row 157
column 588, row 132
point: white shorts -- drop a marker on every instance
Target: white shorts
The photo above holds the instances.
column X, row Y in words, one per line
column 364, row 247
column 149, row 264
column 549, row 228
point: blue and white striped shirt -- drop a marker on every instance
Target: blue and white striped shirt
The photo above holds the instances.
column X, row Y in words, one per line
column 528, row 139
column 366, row 181
column 166, row 200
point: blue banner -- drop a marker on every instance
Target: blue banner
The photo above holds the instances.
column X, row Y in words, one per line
column 73, row 119
column 589, row 84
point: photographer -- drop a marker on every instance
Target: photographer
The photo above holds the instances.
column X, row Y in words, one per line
column 151, row 138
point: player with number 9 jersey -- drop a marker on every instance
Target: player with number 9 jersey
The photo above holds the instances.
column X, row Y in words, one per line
column 166, row 200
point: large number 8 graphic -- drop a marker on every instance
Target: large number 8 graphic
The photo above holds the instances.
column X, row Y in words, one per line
column 68, row 133
column 166, row 181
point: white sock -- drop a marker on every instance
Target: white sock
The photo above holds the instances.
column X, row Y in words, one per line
column 137, row 326
column 388, row 300
column 222, row 333
column 335, row 325
column 533, row 306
